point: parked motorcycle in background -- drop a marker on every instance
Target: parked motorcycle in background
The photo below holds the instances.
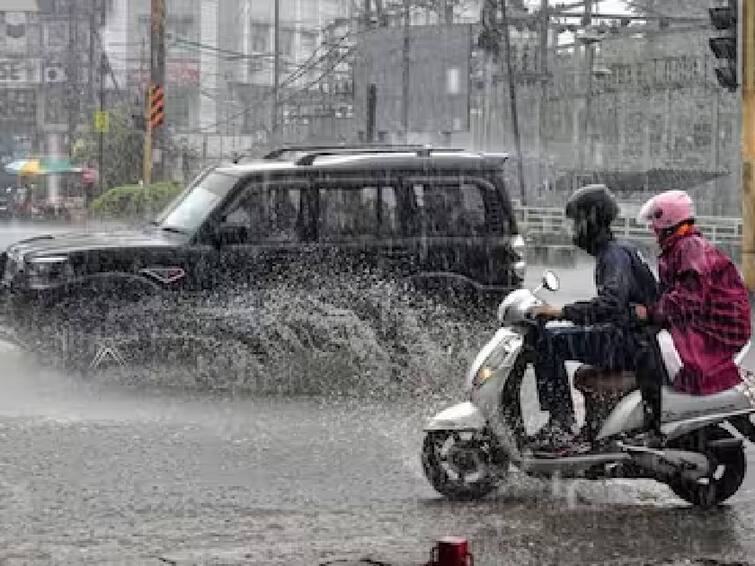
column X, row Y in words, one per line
column 470, row 447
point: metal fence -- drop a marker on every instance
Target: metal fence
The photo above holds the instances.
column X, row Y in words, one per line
column 550, row 224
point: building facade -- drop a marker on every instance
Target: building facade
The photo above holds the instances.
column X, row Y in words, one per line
column 49, row 76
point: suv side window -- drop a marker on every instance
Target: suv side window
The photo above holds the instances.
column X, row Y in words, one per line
column 269, row 213
column 452, row 209
column 347, row 212
column 389, row 217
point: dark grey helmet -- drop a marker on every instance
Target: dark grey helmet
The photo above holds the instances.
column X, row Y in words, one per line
column 594, row 204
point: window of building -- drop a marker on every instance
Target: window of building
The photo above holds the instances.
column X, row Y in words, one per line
column 308, row 43
column 56, row 35
column 178, row 109
column 260, row 34
column 270, row 214
column 287, row 42
column 348, row 213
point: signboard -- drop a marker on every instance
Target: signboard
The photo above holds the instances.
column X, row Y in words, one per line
column 101, row 121
column 438, row 77
column 20, row 71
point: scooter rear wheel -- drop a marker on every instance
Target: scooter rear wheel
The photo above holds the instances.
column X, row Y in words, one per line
column 729, row 468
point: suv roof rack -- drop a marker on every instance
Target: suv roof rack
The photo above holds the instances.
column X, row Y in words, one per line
column 313, row 152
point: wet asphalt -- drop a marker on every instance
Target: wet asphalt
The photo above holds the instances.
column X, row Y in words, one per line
column 97, row 473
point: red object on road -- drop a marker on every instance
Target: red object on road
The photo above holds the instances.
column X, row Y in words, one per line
column 451, row 551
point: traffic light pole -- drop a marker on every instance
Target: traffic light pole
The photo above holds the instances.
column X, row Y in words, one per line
column 748, row 141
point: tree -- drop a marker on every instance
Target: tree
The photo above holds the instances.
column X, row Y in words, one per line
column 122, row 152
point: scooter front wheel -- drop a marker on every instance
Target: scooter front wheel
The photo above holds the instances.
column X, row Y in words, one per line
column 462, row 465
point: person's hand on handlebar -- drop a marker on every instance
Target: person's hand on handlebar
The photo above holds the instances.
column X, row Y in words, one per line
column 547, row 311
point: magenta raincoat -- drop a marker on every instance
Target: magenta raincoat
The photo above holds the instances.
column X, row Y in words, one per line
column 706, row 309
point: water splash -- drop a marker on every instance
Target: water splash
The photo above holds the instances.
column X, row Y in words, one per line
column 356, row 336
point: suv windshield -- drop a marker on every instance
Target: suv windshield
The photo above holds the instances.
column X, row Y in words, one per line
column 187, row 212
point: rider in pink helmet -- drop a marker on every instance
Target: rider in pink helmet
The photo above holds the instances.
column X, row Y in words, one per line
column 667, row 210
column 704, row 304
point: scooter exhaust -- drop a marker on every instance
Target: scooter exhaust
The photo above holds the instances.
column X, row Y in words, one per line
column 668, row 463
column 744, row 426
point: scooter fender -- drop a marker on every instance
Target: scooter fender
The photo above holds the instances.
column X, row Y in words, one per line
column 462, row 417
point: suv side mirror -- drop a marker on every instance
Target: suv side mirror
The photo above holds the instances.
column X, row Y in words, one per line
column 229, row 234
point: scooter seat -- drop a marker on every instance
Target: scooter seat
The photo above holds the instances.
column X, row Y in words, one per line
column 683, row 405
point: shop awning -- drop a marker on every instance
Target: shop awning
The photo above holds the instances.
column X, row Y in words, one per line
column 41, row 166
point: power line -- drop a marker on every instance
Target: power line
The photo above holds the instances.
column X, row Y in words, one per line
column 267, row 96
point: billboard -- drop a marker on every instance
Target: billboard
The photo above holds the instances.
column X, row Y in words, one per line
column 437, row 75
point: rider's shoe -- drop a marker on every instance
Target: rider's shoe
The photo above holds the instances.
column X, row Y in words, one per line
column 647, row 439
column 555, row 442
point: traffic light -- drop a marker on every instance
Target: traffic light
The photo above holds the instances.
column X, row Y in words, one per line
column 724, row 46
column 156, row 106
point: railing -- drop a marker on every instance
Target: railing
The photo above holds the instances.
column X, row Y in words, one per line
column 551, row 222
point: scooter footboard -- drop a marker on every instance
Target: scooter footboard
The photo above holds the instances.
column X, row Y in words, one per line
column 463, row 416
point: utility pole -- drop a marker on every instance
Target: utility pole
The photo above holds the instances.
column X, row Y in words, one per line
column 512, row 97
column 589, row 56
column 371, row 112
column 92, row 65
column 405, row 72
column 276, row 72
column 748, row 141
column 72, row 73
column 542, row 146
column 157, row 78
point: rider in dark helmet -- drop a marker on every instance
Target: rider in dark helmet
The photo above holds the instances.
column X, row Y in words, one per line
column 604, row 333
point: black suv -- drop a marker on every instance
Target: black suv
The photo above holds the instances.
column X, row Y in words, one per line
column 438, row 219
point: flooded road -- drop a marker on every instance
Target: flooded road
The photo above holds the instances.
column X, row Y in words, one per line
column 96, row 473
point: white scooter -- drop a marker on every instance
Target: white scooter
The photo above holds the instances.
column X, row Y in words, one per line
column 469, row 448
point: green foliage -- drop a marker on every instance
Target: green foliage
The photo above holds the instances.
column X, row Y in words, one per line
column 134, row 201
column 123, row 148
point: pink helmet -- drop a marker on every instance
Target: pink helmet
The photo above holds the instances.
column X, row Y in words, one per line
column 667, row 210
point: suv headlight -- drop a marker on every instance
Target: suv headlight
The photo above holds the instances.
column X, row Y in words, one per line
column 519, row 247
column 45, row 272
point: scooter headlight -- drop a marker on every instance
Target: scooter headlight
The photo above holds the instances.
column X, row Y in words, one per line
column 499, row 358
